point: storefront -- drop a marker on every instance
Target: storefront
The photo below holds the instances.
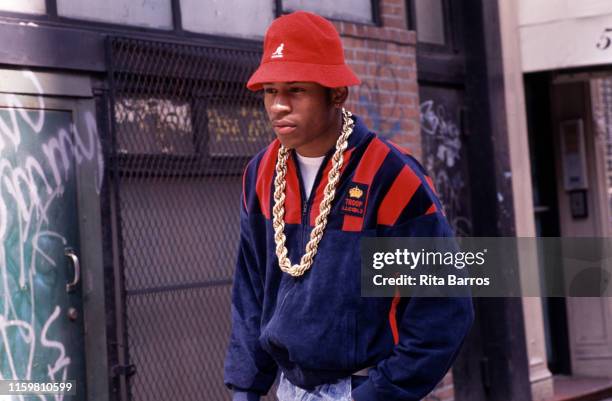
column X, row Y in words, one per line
column 566, row 53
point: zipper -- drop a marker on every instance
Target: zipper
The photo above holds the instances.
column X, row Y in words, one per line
column 303, row 199
column 307, row 203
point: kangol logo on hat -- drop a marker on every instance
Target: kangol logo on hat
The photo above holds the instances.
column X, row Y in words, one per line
column 315, row 53
column 278, row 53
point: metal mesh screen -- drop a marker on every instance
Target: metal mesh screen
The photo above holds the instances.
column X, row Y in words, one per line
column 184, row 127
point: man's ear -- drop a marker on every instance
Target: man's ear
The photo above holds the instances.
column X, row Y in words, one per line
column 339, row 96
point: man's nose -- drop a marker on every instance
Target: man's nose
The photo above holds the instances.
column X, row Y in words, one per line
column 280, row 104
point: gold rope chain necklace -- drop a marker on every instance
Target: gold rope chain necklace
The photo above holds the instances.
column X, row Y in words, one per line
column 321, row 221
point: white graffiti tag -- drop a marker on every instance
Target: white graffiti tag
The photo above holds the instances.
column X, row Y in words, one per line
column 33, row 182
column 442, row 141
column 435, row 122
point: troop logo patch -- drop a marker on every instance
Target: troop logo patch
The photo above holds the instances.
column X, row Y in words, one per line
column 355, row 199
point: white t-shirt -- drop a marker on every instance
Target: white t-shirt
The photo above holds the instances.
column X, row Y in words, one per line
column 309, row 167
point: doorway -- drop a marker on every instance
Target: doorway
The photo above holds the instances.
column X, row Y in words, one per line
column 571, row 186
column 546, row 214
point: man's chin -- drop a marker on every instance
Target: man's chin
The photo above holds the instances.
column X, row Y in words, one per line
column 286, row 143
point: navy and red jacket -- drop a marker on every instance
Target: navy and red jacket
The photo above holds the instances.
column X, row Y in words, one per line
column 317, row 328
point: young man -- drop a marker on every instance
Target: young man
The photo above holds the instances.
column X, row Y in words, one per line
column 308, row 199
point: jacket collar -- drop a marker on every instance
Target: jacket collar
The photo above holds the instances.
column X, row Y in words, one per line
column 360, row 133
column 358, row 136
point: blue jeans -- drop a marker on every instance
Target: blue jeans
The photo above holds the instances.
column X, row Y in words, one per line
column 339, row 391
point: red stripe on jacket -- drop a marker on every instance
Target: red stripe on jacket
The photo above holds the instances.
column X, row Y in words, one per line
column 393, row 317
column 433, row 207
column 318, row 197
column 293, row 201
column 265, row 172
column 399, row 195
column 428, row 179
column 369, row 165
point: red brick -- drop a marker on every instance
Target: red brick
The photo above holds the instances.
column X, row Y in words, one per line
column 405, row 86
column 348, row 43
column 394, row 21
column 396, row 59
column 408, row 37
column 372, row 69
column 409, row 125
column 359, row 29
column 385, row 60
column 360, row 69
column 375, row 44
column 407, row 73
column 410, row 103
column 374, row 32
column 388, row 85
column 412, row 113
column 391, row 9
column 361, row 54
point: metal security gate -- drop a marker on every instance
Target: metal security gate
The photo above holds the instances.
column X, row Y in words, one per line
column 183, row 127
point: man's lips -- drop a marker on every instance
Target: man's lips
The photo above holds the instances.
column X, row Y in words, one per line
column 283, row 127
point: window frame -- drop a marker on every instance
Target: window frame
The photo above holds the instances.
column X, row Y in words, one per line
column 135, row 163
column 375, row 5
column 450, row 42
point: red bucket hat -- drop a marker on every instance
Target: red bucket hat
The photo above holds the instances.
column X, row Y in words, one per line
column 303, row 47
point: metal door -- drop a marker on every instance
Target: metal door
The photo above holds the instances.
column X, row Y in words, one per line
column 41, row 321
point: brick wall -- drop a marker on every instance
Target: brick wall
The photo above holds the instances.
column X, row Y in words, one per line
column 388, row 98
column 385, row 60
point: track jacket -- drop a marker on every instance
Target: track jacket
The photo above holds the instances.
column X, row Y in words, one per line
column 317, row 328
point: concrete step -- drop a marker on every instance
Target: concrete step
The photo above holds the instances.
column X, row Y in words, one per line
column 571, row 388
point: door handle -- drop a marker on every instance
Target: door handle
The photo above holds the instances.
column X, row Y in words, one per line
column 71, row 254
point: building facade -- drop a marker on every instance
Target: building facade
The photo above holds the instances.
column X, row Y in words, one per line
column 124, row 129
column 563, row 49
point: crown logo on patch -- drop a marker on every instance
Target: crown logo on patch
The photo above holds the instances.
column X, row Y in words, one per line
column 278, row 53
column 355, row 192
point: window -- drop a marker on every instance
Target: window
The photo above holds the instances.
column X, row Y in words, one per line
column 346, row 10
column 20, row 6
column 154, row 125
column 229, row 17
column 182, row 109
column 150, row 14
column 430, row 18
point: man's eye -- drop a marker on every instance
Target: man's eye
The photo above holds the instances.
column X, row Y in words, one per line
column 297, row 89
column 269, row 90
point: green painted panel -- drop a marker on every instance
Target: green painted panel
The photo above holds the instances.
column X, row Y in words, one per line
column 38, row 221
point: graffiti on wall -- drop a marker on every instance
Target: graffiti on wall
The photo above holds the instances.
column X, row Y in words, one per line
column 39, row 153
column 378, row 102
column 443, row 159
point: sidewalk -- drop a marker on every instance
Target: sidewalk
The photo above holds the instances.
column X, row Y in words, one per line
column 568, row 388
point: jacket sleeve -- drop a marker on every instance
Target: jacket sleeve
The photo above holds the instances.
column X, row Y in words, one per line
column 431, row 332
column 249, row 370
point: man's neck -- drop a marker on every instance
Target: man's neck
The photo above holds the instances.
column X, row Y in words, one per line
column 331, row 138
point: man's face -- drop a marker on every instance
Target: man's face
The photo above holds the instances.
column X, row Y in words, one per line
column 303, row 116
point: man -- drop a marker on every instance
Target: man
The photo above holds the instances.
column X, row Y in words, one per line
column 308, row 199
